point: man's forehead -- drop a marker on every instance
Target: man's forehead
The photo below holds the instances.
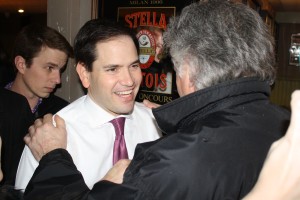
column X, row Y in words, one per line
column 113, row 44
column 52, row 56
column 114, row 39
column 116, row 52
column 46, row 49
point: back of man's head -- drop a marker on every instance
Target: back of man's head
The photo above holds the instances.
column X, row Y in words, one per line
column 97, row 31
column 220, row 40
column 32, row 38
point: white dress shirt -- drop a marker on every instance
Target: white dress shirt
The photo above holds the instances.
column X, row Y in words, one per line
column 90, row 139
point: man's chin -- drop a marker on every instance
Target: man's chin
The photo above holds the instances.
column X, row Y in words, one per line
column 125, row 110
column 44, row 95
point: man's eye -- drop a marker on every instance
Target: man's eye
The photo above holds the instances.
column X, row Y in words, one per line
column 50, row 68
column 111, row 69
column 135, row 66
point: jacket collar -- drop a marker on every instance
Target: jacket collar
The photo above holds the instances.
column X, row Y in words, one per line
column 171, row 115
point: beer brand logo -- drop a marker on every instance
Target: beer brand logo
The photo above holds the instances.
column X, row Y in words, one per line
column 147, row 48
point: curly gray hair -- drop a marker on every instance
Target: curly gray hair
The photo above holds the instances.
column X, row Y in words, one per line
column 220, row 40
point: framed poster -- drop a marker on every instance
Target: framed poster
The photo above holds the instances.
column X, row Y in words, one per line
column 149, row 23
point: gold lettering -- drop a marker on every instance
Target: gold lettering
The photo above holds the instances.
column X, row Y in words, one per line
column 147, row 51
column 155, row 98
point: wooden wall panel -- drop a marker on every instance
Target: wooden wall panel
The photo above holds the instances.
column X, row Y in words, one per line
column 286, row 71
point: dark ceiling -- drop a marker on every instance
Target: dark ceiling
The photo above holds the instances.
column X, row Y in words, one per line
column 40, row 6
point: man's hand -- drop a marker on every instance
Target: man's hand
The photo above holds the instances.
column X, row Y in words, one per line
column 115, row 174
column 44, row 137
column 280, row 176
column 150, row 104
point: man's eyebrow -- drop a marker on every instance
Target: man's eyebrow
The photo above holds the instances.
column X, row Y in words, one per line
column 110, row 66
column 136, row 61
column 116, row 65
column 55, row 65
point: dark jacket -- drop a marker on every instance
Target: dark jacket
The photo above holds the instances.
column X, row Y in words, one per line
column 52, row 105
column 15, row 118
column 216, row 143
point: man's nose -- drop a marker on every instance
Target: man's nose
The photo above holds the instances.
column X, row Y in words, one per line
column 127, row 78
column 56, row 77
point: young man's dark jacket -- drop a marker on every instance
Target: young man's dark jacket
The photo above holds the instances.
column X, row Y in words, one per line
column 15, row 118
column 217, row 140
column 52, row 105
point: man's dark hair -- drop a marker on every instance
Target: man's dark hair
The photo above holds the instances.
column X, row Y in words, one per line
column 97, row 31
column 32, row 38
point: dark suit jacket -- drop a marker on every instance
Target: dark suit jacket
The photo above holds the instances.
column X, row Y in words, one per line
column 52, row 105
column 15, row 118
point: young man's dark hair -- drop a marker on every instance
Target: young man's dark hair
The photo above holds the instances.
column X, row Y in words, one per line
column 32, row 38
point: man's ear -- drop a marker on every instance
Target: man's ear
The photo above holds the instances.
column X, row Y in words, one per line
column 20, row 64
column 191, row 85
column 83, row 74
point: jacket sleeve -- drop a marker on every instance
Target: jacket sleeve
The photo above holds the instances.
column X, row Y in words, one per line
column 57, row 177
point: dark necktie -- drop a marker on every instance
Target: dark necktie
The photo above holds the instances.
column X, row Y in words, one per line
column 120, row 151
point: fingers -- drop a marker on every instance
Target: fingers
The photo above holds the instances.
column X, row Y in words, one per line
column 37, row 123
column 31, row 131
column 123, row 163
column 146, row 103
column 27, row 139
column 115, row 174
column 47, row 118
column 295, row 105
column 36, row 149
column 293, row 132
column 60, row 122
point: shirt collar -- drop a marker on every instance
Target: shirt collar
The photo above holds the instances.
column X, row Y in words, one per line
column 99, row 116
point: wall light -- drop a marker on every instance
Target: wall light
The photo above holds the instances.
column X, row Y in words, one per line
column 20, row 10
column 295, row 50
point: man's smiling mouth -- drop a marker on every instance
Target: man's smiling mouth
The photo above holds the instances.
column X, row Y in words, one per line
column 124, row 92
